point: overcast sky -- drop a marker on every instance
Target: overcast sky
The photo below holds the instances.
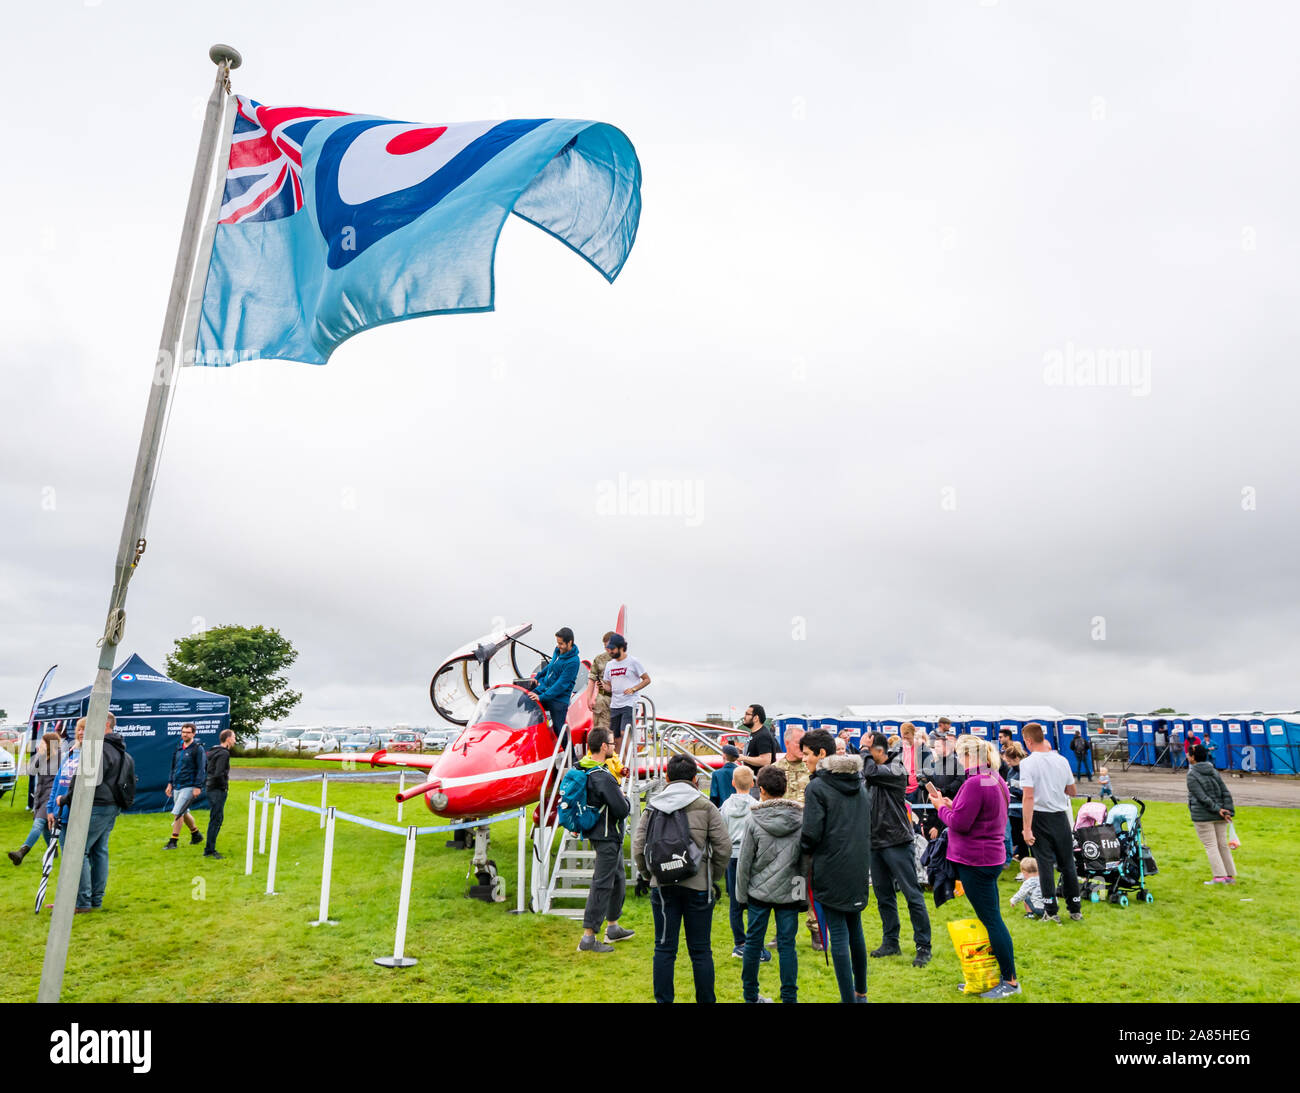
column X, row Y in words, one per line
column 883, row 248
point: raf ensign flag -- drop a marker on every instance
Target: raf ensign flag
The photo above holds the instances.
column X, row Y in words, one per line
column 329, row 223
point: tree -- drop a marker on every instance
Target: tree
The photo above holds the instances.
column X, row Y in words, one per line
column 1163, row 709
column 242, row 663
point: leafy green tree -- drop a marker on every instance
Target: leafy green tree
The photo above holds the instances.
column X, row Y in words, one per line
column 1163, row 709
column 244, row 664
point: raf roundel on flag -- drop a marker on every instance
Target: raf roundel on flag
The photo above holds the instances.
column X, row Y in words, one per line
column 329, row 223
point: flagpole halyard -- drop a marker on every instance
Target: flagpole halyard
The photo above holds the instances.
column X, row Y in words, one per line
column 132, row 543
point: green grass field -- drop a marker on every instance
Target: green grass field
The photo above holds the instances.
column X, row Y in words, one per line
column 175, row 925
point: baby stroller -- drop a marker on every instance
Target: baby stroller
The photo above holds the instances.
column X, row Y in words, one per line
column 1097, row 852
column 1136, row 862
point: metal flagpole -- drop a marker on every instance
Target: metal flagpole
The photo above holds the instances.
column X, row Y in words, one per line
column 132, row 544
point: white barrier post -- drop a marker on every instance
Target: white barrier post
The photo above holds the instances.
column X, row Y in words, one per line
column 324, row 918
column 266, row 808
column 275, row 848
column 324, row 790
column 252, row 824
column 399, row 959
column 523, row 865
column 401, row 788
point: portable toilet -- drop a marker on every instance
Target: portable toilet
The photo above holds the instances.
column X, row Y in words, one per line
column 983, row 729
column 1133, row 731
column 858, row 728
column 827, row 724
column 1238, row 742
column 1197, row 727
column 1066, row 730
column 1015, row 727
column 1257, row 734
column 1284, row 744
column 783, row 723
column 1217, row 731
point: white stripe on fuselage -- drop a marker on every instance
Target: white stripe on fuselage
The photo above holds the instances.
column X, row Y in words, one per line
column 492, row 775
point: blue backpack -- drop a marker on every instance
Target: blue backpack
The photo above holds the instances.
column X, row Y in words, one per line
column 575, row 814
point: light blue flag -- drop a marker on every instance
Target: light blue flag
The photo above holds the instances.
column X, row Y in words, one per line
column 331, row 223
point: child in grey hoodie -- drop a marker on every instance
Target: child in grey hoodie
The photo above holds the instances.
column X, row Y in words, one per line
column 735, row 811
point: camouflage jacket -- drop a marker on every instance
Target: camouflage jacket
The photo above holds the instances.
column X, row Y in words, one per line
column 796, row 777
column 600, row 702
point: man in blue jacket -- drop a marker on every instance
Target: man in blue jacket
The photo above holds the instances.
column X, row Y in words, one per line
column 554, row 683
column 188, row 774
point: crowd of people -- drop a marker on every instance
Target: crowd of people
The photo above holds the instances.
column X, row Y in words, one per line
column 55, row 770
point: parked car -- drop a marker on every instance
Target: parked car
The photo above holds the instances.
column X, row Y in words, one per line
column 361, row 741
column 438, row 739
column 404, row 740
column 266, row 740
column 315, row 741
column 11, row 739
column 8, row 772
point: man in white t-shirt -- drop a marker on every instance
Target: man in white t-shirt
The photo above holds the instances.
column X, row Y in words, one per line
column 1048, row 785
column 623, row 678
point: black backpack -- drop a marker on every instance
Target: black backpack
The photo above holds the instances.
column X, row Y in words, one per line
column 124, row 782
column 670, row 852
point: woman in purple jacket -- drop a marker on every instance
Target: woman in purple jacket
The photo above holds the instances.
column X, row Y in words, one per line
column 977, row 824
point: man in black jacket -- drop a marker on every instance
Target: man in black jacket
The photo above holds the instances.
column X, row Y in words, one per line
column 609, row 880
column 945, row 772
column 218, row 786
column 836, row 834
column 103, row 815
column 893, row 858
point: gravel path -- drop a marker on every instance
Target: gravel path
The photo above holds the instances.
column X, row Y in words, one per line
column 1163, row 785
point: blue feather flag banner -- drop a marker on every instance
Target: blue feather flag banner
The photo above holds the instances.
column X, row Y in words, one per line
column 326, row 224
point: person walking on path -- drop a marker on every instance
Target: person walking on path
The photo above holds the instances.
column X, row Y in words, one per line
column 609, row 879
column 1048, row 785
column 687, row 902
column 769, row 882
column 977, row 821
column 1082, row 754
column 187, row 778
column 836, row 833
column 893, row 853
column 43, row 768
column 217, row 780
column 1212, row 810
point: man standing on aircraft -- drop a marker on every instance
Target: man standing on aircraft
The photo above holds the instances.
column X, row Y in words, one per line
column 626, row 677
column 597, row 689
column 554, row 683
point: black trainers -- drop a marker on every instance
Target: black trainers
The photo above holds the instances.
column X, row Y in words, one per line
column 171, row 844
column 887, row 950
column 922, row 958
column 196, row 837
column 213, row 854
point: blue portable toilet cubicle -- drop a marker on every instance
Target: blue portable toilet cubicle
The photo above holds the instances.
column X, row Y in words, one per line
column 1066, row 730
column 1177, row 734
column 1238, row 742
column 858, row 728
column 1150, row 753
column 1014, row 726
column 1133, row 733
column 828, row 724
column 923, row 725
column 1283, row 745
column 983, row 729
column 1199, row 728
column 1257, row 735
column 784, row 723
column 1220, row 756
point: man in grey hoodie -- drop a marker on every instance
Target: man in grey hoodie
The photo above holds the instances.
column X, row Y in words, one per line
column 768, row 879
column 689, row 901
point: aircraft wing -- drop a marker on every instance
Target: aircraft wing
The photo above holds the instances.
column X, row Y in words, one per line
column 383, row 758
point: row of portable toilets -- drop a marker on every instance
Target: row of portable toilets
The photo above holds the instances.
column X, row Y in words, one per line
column 1059, row 734
column 1268, row 744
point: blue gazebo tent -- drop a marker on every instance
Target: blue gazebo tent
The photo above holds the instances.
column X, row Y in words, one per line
column 150, row 710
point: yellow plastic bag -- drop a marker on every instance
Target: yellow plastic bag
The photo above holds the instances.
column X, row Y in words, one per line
column 975, row 953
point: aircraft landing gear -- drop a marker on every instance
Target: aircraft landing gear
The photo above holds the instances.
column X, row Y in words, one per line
column 491, row 886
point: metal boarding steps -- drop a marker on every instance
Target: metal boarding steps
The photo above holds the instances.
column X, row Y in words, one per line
column 562, row 870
